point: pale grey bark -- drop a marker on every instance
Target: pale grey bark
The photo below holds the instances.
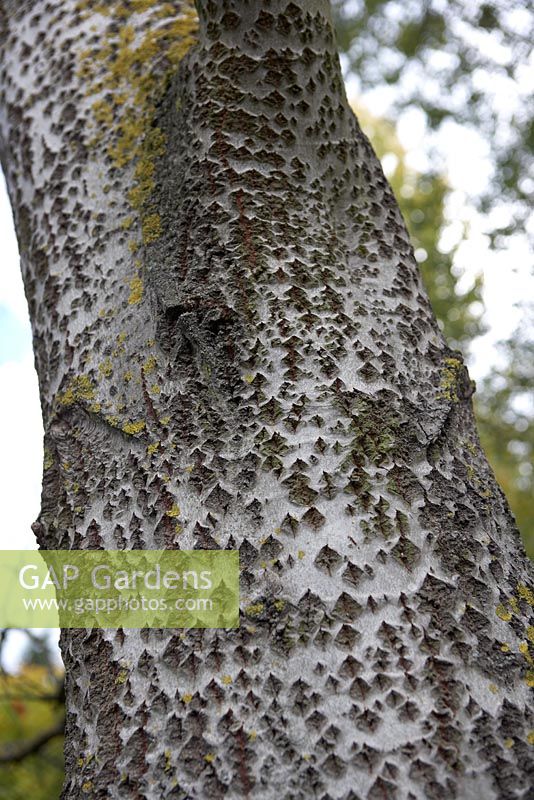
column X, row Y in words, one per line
column 266, row 361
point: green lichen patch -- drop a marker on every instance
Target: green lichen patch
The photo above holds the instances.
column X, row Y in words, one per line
column 128, row 73
column 503, row 612
column 254, row 610
column 449, row 379
column 48, row 459
column 134, row 428
column 136, row 291
column 106, row 368
column 525, row 593
column 151, row 227
column 79, row 388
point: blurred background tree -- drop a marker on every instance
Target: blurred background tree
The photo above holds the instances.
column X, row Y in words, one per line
column 461, row 64
column 506, row 423
column 464, row 67
column 423, row 198
column 31, row 723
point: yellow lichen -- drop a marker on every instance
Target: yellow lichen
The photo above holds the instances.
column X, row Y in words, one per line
column 151, row 449
column 449, row 379
column 127, row 223
column 149, row 365
column 254, row 610
column 503, row 613
column 226, row 679
column 136, row 291
column 133, row 427
column 128, row 73
column 525, row 593
column 106, row 368
column 121, row 677
column 186, row 698
column 174, row 511
column 153, row 148
column 79, row 388
column 139, row 6
column 209, row 757
column 103, row 112
column 168, row 765
column 48, row 459
column 151, row 227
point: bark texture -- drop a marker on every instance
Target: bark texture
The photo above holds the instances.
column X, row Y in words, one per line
column 235, row 351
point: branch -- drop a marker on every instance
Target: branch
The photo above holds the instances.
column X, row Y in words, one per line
column 17, row 751
column 31, row 698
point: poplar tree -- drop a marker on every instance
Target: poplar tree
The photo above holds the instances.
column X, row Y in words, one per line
column 235, row 351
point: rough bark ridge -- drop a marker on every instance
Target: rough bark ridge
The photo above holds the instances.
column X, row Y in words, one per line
column 234, row 350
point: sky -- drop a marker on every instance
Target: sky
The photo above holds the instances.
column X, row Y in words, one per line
column 20, row 414
column 21, row 431
column 507, row 280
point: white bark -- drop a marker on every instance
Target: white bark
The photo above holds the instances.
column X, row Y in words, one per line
column 245, row 337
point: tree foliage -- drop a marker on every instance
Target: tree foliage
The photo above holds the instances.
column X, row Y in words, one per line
column 465, row 64
column 422, row 198
column 458, row 62
column 504, row 402
column 31, row 744
column 506, row 423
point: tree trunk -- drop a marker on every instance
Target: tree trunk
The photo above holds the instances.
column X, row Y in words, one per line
column 234, row 350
